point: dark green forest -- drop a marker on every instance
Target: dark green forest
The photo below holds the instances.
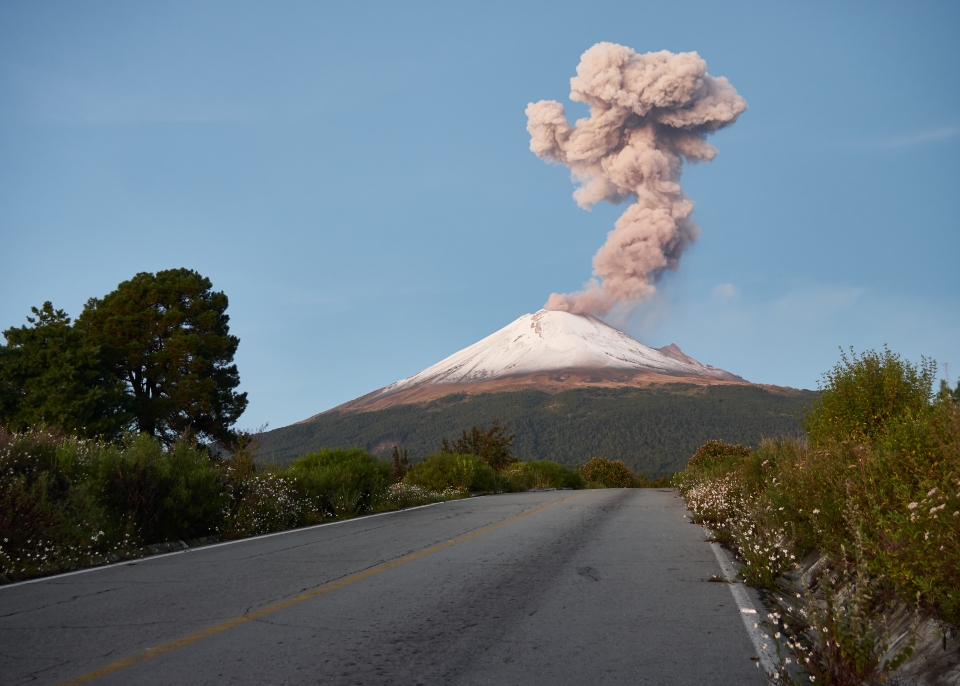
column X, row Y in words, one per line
column 654, row 431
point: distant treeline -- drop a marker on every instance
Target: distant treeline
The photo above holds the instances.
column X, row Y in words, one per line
column 654, row 431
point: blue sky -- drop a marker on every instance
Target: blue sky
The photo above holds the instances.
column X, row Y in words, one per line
column 357, row 178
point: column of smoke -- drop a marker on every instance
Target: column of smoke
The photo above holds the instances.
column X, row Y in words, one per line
column 648, row 113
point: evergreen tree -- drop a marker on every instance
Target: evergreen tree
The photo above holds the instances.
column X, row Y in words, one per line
column 166, row 336
column 493, row 446
column 52, row 375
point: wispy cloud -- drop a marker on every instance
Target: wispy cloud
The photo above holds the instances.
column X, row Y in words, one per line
column 921, row 137
column 724, row 292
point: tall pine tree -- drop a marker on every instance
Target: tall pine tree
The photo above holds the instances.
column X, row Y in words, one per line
column 166, row 336
column 52, row 375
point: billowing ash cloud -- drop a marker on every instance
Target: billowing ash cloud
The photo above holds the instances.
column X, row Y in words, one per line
column 648, row 113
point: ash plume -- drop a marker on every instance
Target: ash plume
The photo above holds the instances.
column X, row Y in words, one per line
column 648, row 113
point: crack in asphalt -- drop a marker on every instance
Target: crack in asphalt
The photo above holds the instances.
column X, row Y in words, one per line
column 59, row 602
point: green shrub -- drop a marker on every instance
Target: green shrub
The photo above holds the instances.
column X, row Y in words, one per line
column 876, row 488
column 160, row 495
column 715, row 451
column 600, row 472
column 68, row 502
column 494, row 445
column 39, row 507
column 346, row 482
column 442, row 471
column 863, row 395
column 665, row 481
column 265, row 499
column 401, row 495
column 542, row 474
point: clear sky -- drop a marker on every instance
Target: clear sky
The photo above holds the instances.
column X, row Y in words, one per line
column 356, row 177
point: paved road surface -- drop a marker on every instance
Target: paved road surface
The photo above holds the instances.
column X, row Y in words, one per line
column 561, row 587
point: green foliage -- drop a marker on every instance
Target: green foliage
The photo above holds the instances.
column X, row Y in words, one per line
column 160, row 495
column 878, row 489
column 665, row 481
column 68, row 502
column 653, row 430
column 156, row 353
column 347, row 482
column 947, row 394
column 492, row 445
column 600, row 472
column 401, row 463
column 440, row 471
column 264, row 499
column 52, row 375
column 542, row 474
column 715, row 451
column 862, row 395
column 166, row 335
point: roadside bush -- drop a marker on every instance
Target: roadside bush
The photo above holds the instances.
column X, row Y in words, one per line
column 442, row 471
column 67, row 503
column 47, row 525
column 542, row 474
column 600, row 472
column 716, row 451
column 345, row 482
column 267, row 500
column 160, row 495
column 494, row 445
column 401, row 495
column 877, row 489
column 665, row 481
column 863, row 395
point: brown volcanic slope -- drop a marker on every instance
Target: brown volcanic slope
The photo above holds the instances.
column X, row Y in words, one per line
column 548, row 381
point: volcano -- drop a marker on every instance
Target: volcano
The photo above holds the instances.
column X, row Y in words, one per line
column 550, row 351
column 571, row 387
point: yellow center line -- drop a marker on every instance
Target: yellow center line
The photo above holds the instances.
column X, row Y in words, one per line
column 269, row 609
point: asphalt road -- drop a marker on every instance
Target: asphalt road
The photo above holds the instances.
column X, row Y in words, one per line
column 560, row 587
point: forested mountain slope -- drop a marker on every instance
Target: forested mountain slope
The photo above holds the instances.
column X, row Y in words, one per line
column 654, row 430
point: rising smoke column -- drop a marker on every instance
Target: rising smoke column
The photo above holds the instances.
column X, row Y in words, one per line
column 648, row 113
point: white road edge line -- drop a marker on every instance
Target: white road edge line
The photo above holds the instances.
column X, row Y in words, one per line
column 139, row 560
column 748, row 613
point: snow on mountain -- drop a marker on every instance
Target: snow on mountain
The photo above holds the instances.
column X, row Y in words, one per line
column 550, row 341
column 548, row 351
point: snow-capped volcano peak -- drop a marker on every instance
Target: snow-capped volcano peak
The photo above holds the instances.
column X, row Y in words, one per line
column 548, row 351
column 554, row 341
